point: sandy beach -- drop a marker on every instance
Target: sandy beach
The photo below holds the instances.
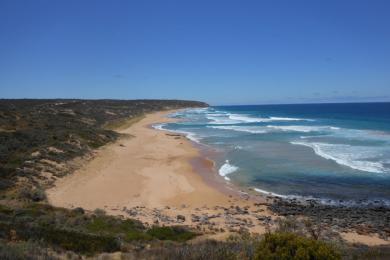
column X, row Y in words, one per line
column 160, row 177
column 148, row 175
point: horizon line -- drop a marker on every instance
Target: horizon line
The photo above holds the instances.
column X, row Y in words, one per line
column 222, row 105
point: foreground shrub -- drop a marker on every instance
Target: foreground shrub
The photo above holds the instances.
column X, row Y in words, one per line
column 79, row 242
column 207, row 249
column 281, row 246
column 78, row 231
column 174, row 233
column 128, row 229
column 23, row 250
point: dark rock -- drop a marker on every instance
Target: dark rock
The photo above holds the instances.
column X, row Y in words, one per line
column 181, row 218
column 78, row 210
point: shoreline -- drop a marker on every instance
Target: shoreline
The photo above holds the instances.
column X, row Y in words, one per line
column 154, row 177
column 162, row 177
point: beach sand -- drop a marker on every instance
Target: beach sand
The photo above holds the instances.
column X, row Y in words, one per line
column 159, row 177
column 368, row 240
column 151, row 176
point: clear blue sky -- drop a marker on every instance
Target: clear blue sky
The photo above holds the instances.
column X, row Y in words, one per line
column 221, row 52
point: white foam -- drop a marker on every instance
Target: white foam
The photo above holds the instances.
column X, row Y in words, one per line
column 273, row 128
column 216, row 114
column 271, row 193
column 227, row 169
column 231, row 118
column 191, row 136
column 355, row 157
column 283, row 196
column 218, row 120
column 159, row 127
column 248, row 119
column 274, row 118
column 312, row 136
column 357, row 134
column 303, row 128
column 196, row 110
column 248, row 129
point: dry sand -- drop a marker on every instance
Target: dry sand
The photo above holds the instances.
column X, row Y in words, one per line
column 369, row 240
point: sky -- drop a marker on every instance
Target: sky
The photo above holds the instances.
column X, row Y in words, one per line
column 221, row 52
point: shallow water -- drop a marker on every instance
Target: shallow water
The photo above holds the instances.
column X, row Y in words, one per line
column 336, row 153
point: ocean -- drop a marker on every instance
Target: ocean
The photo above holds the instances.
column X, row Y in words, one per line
column 333, row 153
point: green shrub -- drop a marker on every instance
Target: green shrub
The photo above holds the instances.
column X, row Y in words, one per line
column 23, row 250
column 132, row 235
column 5, row 210
column 99, row 212
column 128, row 229
column 78, row 241
column 202, row 250
column 32, row 193
column 174, row 233
column 134, row 230
column 112, row 225
column 281, row 246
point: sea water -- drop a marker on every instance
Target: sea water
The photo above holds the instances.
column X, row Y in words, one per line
column 334, row 153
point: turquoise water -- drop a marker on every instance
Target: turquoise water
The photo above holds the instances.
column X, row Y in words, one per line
column 336, row 153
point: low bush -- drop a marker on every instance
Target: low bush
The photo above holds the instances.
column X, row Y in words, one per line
column 281, row 246
column 78, row 241
column 175, row 233
column 32, row 194
column 80, row 232
column 23, row 250
column 206, row 249
column 128, row 229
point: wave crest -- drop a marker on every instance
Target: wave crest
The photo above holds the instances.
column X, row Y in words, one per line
column 231, row 118
column 191, row 136
column 227, row 169
column 355, row 157
column 303, row 128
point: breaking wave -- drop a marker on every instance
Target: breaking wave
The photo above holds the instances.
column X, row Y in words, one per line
column 229, row 118
column 355, row 157
column 191, row 136
column 248, row 129
column 227, row 169
column 304, row 129
column 273, row 128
